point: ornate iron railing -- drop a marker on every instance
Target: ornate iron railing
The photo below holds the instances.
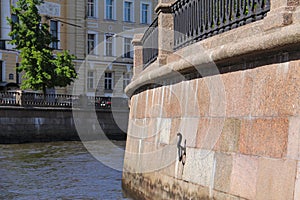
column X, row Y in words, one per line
column 9, row 98
column 150, row 43
column 58, row 100
column 195, row 20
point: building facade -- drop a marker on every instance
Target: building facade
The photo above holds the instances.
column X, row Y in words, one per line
column 97, row 32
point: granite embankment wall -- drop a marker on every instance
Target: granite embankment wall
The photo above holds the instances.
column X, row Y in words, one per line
column 239, row 119
column 25, row 124
column 247, row 147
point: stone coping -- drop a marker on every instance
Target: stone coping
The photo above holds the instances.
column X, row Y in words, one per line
column 248, row 39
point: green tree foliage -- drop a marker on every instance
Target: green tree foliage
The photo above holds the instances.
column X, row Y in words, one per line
column 42, row 69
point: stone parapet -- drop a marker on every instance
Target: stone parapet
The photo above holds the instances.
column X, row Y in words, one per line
column 138, row 55
column 280, row 28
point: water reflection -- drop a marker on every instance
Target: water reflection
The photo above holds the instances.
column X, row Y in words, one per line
column 61, row 170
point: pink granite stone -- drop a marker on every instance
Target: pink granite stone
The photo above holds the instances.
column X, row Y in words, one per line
column 175, row 128
column 191, row 107
column 276, row 90
column 297, row 183
column 229, row 139
column 208, row 133
column 175, row 101
column 244, row 176
column 293, row 149
column 238, row 96
column 140, row 110
column 203, row 98
column 265, row 91
column 223, row 172
column 151, row 124
column 289, row 90
column 264, row 137
column 276, row 179
column 149, row 103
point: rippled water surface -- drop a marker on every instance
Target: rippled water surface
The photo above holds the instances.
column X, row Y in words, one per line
column 61, row 170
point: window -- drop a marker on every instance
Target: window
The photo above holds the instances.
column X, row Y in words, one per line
column 126, row 79
column 108, row 45
column 145, row 13
column 11, row 76
column 128, row 53
column 91, row 8
column 108, row 84
column 18, row 74
column 90, row 80
column 2, row 44
column 1, row 71
column 91, row 43
column 128, row 11
column 54, row 33
column 110, row 9
column 15, row 19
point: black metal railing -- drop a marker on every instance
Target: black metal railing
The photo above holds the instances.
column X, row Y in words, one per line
column 9, row 98
column 150, row 43
column 59, row 100
column 195, row 20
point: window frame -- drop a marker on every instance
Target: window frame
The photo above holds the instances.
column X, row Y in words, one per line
column 2, row 71
column 149, row 14
column 125, row 50
column 113, row 10
column 110, row 35
column 108, row 81
column 90, row 80
column 93, row 51
column 15, row 19
column 131, row 11
column 126, row 80
column 94, row 9
column 55, row 45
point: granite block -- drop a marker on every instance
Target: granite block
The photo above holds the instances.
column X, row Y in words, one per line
column 217, row 195
column 157, row 106
column 141, row 108
column 191, row 108
column 217, row 94
column 297, row 183
column 293, row 149
column 149, row 103
column 276, row 179
column 229, row 139
column 265, row 91
column 164, row 127
column 244, row 176
column 175, row 128
column 289, row 90
column 238, row 96
column 188, row 129
column 223, row 172
column 264, row 137
column 203, row 97
column 199, row 167
column 209, row 132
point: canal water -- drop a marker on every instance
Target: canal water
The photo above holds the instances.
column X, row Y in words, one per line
column 58, row 170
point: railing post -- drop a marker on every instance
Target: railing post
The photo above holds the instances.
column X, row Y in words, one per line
column 281, row 13
column 138, row 55
column 165, row 30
